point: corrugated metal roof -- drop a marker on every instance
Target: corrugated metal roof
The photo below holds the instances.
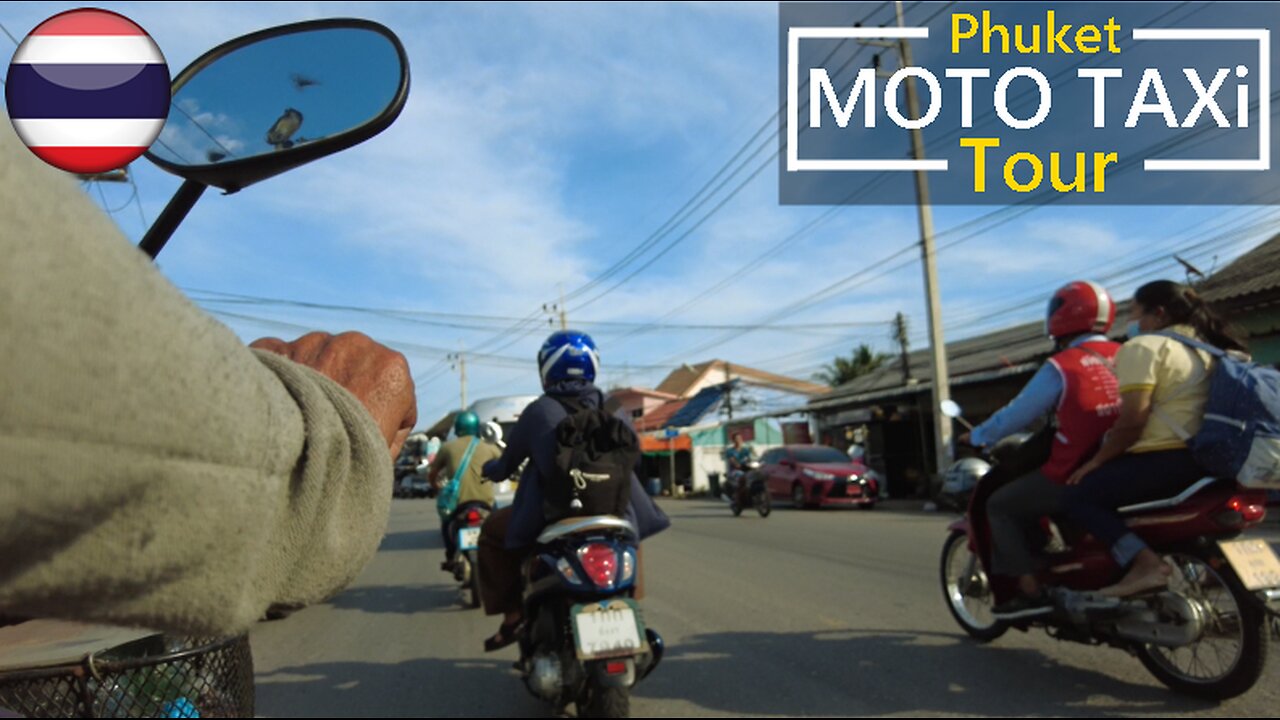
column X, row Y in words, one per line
column 685, row 377
column 996, row 351
column 697, row 406
column 1256, row 271
column 1023, row 347
column 658, row 417
column 646, row 392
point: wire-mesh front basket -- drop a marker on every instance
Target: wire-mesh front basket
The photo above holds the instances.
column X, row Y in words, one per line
column 155, row 677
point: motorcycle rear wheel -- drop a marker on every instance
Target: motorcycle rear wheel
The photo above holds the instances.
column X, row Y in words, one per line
column 607, row 703
column 473, row 582
column 1230, row 656
column 967, row 591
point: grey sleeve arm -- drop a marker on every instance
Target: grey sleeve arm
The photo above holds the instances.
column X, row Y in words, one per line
column 157, row 472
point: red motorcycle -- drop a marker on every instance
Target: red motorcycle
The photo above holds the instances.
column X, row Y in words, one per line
column 1206, row 634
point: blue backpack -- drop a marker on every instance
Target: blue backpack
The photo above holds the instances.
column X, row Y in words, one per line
column 1240, row 436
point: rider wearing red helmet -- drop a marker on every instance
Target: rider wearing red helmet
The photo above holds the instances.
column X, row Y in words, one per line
column 1078, row 386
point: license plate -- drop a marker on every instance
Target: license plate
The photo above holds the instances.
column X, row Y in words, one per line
column 607, row 629
column 1254, row 561
column 469, row 538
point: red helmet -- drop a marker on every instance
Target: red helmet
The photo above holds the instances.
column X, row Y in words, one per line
column 1080, row 307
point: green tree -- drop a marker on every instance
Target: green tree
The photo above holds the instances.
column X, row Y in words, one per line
column 846, row 369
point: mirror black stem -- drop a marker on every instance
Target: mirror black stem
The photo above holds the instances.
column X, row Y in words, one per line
column 174, row 213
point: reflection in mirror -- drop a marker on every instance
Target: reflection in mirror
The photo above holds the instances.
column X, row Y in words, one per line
column 280, row 93
column 951, row 409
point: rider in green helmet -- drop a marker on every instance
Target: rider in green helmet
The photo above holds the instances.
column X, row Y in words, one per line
column 460, row 461
column 466, row 424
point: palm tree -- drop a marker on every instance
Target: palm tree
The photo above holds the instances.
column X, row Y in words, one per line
column 846, row 369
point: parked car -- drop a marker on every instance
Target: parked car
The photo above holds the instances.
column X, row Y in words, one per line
column 817, row 475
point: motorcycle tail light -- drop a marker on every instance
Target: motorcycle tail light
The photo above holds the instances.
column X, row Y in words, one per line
column 616, row 667
column 1250, row 512
column 601, row 563
column 473, row 517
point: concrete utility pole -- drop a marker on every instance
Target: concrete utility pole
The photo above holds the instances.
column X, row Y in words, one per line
column 460, row 364
column 564, row 319
column 728, row 392
column 937, row 344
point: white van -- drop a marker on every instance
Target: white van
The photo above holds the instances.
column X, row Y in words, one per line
column 505, row 411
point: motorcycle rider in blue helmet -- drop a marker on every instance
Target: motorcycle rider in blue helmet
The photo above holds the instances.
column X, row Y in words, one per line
column 567, row 364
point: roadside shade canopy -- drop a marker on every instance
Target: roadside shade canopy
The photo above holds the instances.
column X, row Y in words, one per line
column 656, row 445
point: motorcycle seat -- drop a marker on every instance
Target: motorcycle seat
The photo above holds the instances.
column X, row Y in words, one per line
column 577, row 525
column 1174, row 501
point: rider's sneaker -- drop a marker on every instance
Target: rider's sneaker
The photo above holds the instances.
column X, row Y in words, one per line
column 1023, row 606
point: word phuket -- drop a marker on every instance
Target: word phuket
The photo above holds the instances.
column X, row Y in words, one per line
column 1143, row 94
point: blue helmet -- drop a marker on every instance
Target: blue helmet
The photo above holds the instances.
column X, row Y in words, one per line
column 568, row 355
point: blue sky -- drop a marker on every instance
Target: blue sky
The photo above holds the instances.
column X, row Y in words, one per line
column 540, row 144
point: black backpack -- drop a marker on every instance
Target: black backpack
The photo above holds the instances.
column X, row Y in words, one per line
column 595, row 455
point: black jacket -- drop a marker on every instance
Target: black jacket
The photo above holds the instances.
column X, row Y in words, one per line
column 534, row 437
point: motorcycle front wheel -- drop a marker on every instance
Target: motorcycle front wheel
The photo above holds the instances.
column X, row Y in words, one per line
column 967, row 591
column 1229, row 656
column 764, row 505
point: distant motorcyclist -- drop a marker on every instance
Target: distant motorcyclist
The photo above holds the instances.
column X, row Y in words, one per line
column 738, row 460
column 1078, row 385
column 460, row 461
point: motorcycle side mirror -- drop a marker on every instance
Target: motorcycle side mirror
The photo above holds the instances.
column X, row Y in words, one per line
column 951, row 409
column 270, row 101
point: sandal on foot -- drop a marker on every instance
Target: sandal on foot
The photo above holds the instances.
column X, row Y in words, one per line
column 506, row 635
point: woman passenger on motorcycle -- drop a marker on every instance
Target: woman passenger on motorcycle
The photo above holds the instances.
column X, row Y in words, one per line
column 568, row 363
column 1078, row 386
column 1164, row 386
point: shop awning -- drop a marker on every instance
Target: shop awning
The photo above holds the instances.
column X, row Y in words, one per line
column 659, row 445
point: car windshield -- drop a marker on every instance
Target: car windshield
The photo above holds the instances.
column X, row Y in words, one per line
column 819, row 454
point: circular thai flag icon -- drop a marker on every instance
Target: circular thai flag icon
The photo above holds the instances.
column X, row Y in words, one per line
column 88, row 91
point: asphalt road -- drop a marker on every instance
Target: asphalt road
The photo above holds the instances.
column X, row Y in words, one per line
column 834, row 612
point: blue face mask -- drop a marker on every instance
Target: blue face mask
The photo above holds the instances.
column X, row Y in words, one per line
column 1133, row 330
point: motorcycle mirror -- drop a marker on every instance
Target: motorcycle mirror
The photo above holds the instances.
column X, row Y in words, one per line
column 270, row 101
column 951, row 409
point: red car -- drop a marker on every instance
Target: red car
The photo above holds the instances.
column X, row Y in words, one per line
column 817, row 475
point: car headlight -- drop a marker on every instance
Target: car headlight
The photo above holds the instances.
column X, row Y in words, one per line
column 818, row 475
